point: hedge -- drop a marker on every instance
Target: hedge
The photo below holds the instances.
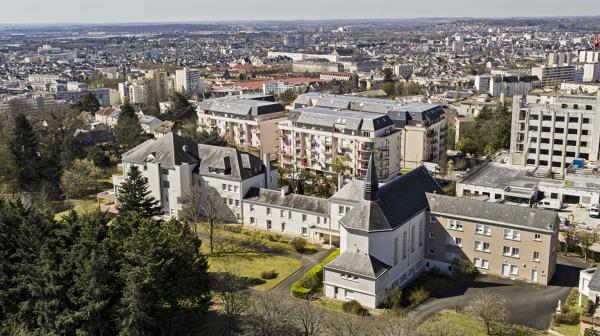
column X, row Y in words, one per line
column 301, row 292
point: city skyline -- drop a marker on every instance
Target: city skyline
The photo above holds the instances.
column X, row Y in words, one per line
column 68, row 11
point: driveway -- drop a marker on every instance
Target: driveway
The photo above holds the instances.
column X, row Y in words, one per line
column 528, row 305
column 308, row 262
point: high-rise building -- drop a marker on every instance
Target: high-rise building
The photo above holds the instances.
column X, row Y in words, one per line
column 554, row 75
column 189, row 81
column 157, row 82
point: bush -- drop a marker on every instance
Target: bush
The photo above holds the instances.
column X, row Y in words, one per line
column 298, row 244
column 392, row 299
column 570, row 318
column 313, row 279
column 268, row 275
column 417, row 296
column 354, row 307
column 233, row 228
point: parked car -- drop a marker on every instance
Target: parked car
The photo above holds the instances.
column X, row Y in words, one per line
column 595, row 211
column 550, row 204
column 433, row 168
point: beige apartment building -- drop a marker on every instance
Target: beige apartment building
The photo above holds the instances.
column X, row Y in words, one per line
column 330, row 142
column 422, row 127
column 519, row 243
column 249, row 121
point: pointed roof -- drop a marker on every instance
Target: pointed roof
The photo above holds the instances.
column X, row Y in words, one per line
column 169, row 151
column 397, row 202
column 371, row 181
column 358, row 262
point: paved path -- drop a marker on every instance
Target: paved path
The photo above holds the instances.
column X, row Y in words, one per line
column 528, row 305
column 308, row 262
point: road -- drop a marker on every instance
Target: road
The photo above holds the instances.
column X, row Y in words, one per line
column 528, row 305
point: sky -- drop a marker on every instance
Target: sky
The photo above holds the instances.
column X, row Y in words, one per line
column 108, row 11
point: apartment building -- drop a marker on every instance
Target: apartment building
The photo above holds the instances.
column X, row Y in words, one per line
column 422, row 127
column 249, row 121
column 135, row 92
column 173, row 165
column 289, row 214
column 508, row 86
column 555, row 75
column 329, row 142
column 519, row 243
column 189, row 81
column 158, row 83
column 315, row 66
column 403, row 70
column 549, row 131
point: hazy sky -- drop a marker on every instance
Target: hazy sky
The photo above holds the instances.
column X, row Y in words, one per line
column 97, row 11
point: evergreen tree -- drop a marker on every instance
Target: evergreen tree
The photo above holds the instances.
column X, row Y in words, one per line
column 89, row 103
column 127, row 110
column 24, row 148
column 181, row 109
column 128, row 132
column 134, row 196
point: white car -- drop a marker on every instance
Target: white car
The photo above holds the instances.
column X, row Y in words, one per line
column 594, row 211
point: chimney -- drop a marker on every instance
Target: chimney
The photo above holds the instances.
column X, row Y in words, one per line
column 227, row 164
column 340, row 181
column 285, row 190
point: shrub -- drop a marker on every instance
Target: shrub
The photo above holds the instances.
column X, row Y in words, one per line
column 392, row 299
column 417, row 296
column 462, row 266
column 570, row 318
column 233, row 228
column 268, row 275
column 311, row 280
column 300, row 292
column 298, row 244
column 354, row 307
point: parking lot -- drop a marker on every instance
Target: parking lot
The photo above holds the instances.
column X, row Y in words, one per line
column 579, row 215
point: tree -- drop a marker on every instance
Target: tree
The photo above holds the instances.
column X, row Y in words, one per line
column 269, row 316
column 438, row 327
column 206, row 203
column 388, row 88
column 308, row 319
column 128, row 132
column 24, row 149
column 230, row 292
column 181, row 109
column 165, row 279
column 387, row 75
column 569, row 239
column 134, row 196
column 402, row 325
column 288, row 96
column 80, row 177
column 127, row 110
column 489, row 307
column 190, row 130
column 586, row 239
column 467, row 145
column 89, row 103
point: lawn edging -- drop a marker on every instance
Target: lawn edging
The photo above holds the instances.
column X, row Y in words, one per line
column 314, row 276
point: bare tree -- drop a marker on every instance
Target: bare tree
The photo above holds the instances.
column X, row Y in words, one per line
column 348, row 325
column 437, row 327
column 569, row 237
column 309, row 319
column 205, row 203
column 403, row 325
column 231, row 296
column 586, row 239
column 489, row 307
column 269, row 316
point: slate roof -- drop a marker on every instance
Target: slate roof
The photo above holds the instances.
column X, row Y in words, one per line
column 494, row 212
column 397, row 202
column 595, row 280
column 295, row 201
column 350, row 192
column 243, row 105
column 329, row 117
column 357, row 262
column 173, row 150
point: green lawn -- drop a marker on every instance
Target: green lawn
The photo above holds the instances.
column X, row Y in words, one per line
column 572, row 304
column 329, row 304
column 81, row 207
column 568, row 330
column 250, row 264
column 267, row 239
column 405, row 170
column 469, row 326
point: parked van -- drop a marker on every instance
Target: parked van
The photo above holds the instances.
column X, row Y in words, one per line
column 595, row 211
column 550, row 204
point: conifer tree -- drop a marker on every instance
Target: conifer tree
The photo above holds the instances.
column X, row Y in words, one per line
column 24, row 147
column 135, row 197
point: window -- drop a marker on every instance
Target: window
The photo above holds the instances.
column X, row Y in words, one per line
column 537, row 237
column 268, row 225
column 230, row 201
column 420, row 235
column 268, row 211
column 478, row 246
column 396, row 251
column 506, row 250
column 252, row 220
column 289, row 215
column 455, row 225
column 536, row 256
column 237, row 202
column 431, row 252
column 514, row 270
column 251, row 207
column 304, row 217
column 404, row 245
column 431, row 235
column 229, row 187
column 486, row 247
column 342, row 209
column 432, row 220
column 304, row 231
column 483, row 229
column 412, row 239
column 512, row 234
column 282, row 226
column 223, row 186
column 281, row 213
column 225, row 200
column 515, row 252
column 165, row 184
column 458, row 241
column 481, row 263
column 236, row 188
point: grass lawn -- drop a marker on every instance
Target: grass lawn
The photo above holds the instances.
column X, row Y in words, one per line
column 81, row 207
column 405, row 170
column 250, row 264
column 276, row 242
column 469, row 326
column 568, row 330
column 572, row 305
column 329, row 304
